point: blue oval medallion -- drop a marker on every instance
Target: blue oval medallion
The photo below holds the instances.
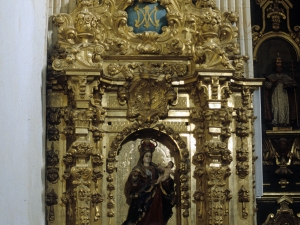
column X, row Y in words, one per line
column 146, row 17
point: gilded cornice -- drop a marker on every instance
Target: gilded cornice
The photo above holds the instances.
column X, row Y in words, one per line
column 200, row 33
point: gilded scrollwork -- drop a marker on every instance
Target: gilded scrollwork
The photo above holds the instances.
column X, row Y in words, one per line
column 89, row 33
column 81, row 176
column 79, row 149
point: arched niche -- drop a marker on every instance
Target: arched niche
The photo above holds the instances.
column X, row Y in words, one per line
column 124, row 155
column 267, row 52
column 271, row 36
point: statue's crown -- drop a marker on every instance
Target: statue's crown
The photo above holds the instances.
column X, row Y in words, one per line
column 147, row 146
column 278, row 59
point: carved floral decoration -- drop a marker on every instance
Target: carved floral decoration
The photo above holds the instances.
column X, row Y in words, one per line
column 200, row 32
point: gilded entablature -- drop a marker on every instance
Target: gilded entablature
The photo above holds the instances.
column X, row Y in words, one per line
column 199, row 32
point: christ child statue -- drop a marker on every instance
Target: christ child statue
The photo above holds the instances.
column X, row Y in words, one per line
column 167, row 172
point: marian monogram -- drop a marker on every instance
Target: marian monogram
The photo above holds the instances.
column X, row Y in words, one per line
column 146, row 16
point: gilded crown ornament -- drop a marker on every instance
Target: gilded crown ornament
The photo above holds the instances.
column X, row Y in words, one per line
column 147, row 145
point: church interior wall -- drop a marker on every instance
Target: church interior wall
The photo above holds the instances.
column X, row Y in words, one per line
column 28, row 37
column 23, row 52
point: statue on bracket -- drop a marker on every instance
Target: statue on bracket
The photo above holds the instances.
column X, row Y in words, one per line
column 151, row 199
column 280, row 98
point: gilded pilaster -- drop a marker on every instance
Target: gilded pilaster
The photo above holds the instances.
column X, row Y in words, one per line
column 212, row 117
column 242, row 181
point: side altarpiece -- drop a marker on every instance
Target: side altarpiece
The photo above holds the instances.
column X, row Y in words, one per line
column 168, row 71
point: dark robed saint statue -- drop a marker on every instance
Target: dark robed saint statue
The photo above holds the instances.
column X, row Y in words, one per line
column 151, row 202
column 280, row 103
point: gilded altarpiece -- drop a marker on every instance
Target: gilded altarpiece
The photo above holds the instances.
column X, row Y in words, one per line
column 168, row 71
column 276, row 45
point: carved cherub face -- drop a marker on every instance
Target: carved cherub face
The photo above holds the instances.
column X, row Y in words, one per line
column 283, row 144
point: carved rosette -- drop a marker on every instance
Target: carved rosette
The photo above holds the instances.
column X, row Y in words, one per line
column 52, row 161
column 54, row 116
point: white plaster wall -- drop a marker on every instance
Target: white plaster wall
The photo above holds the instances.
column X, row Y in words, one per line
column 23, row 26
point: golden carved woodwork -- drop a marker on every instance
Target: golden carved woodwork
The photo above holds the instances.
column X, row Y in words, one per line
column 93, row 32
column 281, row 148
column 284, row 214
column 183, row 87
column 278, row 12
